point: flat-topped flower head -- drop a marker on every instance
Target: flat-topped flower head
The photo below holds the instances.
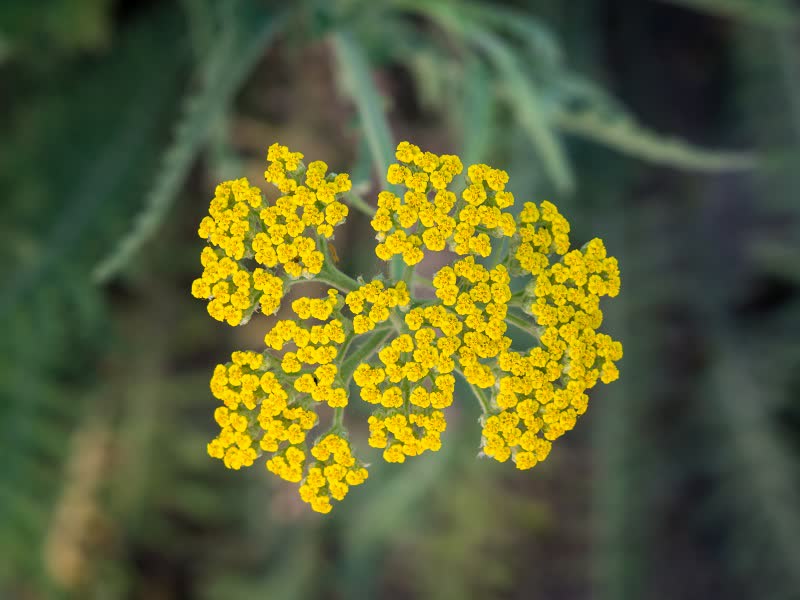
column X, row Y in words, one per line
column 430, row 217
column 311, row 207
column 334, row 471
column 372, row 303
column 402, row 354
column 257, row 415
column 310, row 365
column 541, row 393
column 282, row 237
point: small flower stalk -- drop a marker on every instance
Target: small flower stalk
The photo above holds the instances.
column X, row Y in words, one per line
column 401, row 354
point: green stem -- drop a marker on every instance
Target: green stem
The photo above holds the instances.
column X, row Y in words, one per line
column 517, row 299
column 357, row 202
column 346, row 344
column 333, row 276
column 405, row 386
column 522, row 324
column 408, row 275
column 397, row 321
column 480, row 395
column 338, row 417
column 290, row 283
column 396, row 265
column 418, row 279
column 499, row 253
column 482, row 399
column 374, row 340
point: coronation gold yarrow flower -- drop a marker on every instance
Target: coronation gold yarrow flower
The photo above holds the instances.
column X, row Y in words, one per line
column 513, row 268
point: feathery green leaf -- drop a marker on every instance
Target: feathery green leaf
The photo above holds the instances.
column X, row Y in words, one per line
column 359, row 86
column 229, row 64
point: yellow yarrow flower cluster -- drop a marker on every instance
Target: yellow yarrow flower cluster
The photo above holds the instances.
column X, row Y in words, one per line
column 482, row 216
column 269, row 413
column 541, row 393
column 233, row 291
column 468, row 326
column 310, row 202
column 372, row 304
column 413, row 385
column 228, row 223
column 333, row 473
column 543, row 231
column 410, row 360
column 430, row 222
column 405, row 225
column 409, row 351
column 406, row 434
column 241, row 226
column 257, row 414
column 479, row 297
column 310, row 366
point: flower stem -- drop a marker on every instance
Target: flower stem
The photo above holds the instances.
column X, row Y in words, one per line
column 346, row 345
column 418, row 279
column 408, row 275
column 358, row 203
column 517, row 299
column 522, row 324
column 331, row 275
column 374, row 340
column 397, row 321
column 338, row 417
column 480, row 395
column 482, row 399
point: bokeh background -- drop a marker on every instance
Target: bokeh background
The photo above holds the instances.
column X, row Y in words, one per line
column 671, row 129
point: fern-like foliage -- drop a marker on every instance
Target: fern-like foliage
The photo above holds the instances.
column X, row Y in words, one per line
column 547, row 100
column 585, row 110
column 228, row 64
column 71, row 181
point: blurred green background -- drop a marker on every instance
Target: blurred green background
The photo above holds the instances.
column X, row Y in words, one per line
column 117, row 118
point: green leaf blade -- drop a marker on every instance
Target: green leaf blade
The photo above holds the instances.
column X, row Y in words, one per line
column 360, row 87
column 229, row 65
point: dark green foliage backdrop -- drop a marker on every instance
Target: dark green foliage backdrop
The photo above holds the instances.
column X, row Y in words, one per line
column 119, row 117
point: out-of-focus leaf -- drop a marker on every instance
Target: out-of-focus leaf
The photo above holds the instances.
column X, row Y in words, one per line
column 526, row 101
column 397, row 497
column 476, row 112
column 94, row 138
column 523, row 97
column 585, row 110
column 359, row 85
column 63, row 26
column 536, row 36
column 779, row 258
column 229, row 63
column 292, row 578
column 202, row 21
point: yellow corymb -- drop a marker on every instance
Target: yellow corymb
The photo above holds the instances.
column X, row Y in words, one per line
column 404, row 353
